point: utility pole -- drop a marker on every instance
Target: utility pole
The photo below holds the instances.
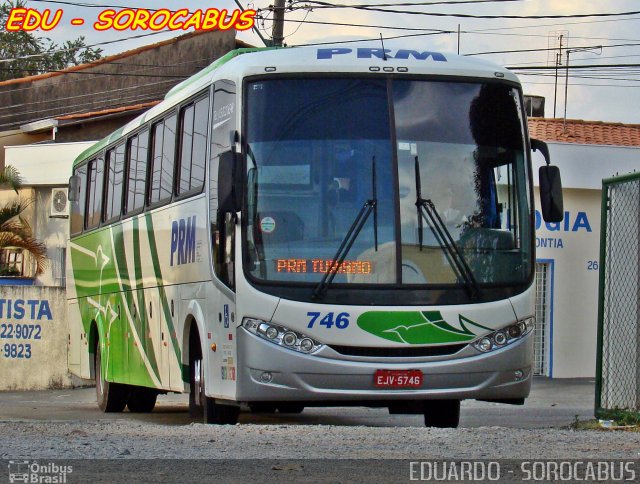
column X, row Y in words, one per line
column 278, row 23
column 555, row 88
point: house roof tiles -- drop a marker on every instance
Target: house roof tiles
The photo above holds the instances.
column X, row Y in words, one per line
column 584, row 132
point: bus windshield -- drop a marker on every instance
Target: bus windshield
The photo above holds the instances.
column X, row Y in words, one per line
column 443, row 162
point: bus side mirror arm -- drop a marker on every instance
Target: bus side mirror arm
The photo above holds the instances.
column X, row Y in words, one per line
column 229, row 182
column 74, row 188
column 550, row 185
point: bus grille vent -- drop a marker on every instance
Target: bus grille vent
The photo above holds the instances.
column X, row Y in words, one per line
column 398, row 352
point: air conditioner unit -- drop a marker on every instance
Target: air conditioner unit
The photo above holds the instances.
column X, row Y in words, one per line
column 59, row 202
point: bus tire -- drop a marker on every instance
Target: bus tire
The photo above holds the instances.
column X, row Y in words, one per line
column 112, row 397
column 263, row 407
column 217, row 414
column 195, row 374
column 442, row 413
column 290, row 407
column 142, row 400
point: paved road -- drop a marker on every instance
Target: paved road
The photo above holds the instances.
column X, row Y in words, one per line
column 553, row 403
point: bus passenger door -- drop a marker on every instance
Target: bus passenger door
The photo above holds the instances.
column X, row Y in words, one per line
column 161, row 337
column 224, row 139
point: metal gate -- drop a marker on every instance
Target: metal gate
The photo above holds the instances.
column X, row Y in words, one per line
column 541, row 331
column 618, row 363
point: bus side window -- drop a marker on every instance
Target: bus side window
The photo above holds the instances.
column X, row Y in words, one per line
column 78, row 206
column 95, row 184
column 222, row 227
column 193, row 147
column 115, row 167
column 137, row 168
column 162, row 159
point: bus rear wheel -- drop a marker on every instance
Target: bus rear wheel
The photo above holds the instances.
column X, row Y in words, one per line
column 112, row 397
column 442, row 413
column 142, row 399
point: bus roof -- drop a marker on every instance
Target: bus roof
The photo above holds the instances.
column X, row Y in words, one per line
column 362, row 58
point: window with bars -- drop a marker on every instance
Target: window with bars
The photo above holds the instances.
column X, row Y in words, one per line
column 11, row 262
column 542, row 317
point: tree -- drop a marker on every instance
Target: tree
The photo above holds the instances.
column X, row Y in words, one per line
column 14, row 229
column 18, row 45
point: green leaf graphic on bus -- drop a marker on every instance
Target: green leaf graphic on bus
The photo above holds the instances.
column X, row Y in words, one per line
column 417, row 328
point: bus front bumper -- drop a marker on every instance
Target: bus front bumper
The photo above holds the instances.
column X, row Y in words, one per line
column 268, row 372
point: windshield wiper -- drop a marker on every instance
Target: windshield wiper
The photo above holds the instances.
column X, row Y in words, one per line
column 349, row 239
column 427, row 211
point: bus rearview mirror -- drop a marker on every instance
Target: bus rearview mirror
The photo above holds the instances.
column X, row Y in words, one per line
column 229, row 182
column 551, row 193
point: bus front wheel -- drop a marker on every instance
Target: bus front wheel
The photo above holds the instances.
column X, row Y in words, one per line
column 112, row 397
column 442, row 413
column 199, row 404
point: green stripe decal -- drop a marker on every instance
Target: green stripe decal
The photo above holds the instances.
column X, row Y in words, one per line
column 160, row 281
column 140, row 320
column 418, row 328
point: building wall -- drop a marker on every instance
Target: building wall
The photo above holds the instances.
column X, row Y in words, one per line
column 16, row 137
column 93, row 129
column 572, row 247
column 44, row 167
column 54, row 233
column 107, row 84
column 33, row 348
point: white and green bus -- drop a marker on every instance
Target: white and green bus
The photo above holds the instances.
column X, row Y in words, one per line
column 337, row 225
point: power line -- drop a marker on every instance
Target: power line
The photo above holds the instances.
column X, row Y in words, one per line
column 106, row 42
column 406, row 4
column 464, row 15
column 584, row 84
column 547, row 49
column 371, row 26
column 578, row 66
column 83, row 72
column 78, row 96
column 74, row 81
column 118, row 101
column 374, row 39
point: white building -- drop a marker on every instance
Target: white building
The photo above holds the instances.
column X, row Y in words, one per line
column 45, row 170
column 568, row 252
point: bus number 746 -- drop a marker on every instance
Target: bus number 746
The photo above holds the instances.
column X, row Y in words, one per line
column 341, row 321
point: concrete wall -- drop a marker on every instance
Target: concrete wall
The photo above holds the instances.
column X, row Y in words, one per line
column 33, row 338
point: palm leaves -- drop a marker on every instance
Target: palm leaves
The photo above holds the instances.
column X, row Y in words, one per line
column 15, row 231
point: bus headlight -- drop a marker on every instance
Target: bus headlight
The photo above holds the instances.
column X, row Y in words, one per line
column 505, row 336
column 281, row 336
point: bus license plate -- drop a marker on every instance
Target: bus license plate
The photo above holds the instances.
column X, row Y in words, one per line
column 398, row 378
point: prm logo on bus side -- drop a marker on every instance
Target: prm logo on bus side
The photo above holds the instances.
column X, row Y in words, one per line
column 183, row 241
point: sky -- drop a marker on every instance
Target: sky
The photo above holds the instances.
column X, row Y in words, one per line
column 598, row 95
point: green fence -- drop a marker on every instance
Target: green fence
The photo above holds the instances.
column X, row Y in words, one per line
column 618, row 360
